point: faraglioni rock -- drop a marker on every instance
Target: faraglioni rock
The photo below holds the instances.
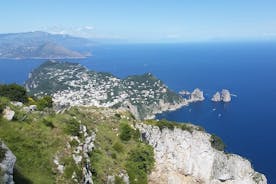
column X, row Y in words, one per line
column 197, row 95
column 185, row 156
column 7, row 161
column 216, row 97
column 224, row 96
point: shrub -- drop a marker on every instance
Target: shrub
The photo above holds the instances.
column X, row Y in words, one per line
column 14, row 92
column 217, row 143
column 186, row 127
column 44, row 102
column 3, row 103
column 73, row 127
column 165, row 124
column 48, row 123
column 113, row 155
column 119, row 180
column 118, row 147
column 139, row 163
column 125, row 132
column 2, row 153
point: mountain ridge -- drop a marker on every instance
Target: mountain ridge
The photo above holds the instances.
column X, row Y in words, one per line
column 28, row 45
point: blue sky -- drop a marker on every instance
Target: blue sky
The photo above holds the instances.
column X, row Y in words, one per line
column 144, row 20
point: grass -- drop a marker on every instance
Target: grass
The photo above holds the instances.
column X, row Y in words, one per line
column 217, row 143
column 162, row 124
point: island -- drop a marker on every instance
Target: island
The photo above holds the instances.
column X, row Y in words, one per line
column 71, row 84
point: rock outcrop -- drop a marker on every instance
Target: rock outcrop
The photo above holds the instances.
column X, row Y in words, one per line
column 8, row 113
column 224, row 96
column 197, row 95
column 216, row 97
column 7, row 161
column 188, row 157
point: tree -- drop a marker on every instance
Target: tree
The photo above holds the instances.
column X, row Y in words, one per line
column 14, row 92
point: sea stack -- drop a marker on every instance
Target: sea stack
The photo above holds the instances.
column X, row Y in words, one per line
column 224, row 96
column 197, row 95
column 216, row 97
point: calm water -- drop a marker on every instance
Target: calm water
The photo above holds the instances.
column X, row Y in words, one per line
column 247, row 125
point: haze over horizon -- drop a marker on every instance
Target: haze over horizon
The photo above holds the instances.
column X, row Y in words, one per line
column 144, row 21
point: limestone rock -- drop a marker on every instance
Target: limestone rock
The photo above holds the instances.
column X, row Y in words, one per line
column 8, row 113
column 184, row 157
column 6, row 165
column 18, row 104
column 216, row 97
column 197, row 95
column 225, row 95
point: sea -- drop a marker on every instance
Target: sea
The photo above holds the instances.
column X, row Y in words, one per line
column 247, row 124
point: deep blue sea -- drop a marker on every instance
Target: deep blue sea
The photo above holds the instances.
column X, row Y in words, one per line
column 247, row 124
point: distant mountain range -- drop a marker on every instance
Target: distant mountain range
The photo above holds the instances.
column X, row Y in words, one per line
column 43, row 45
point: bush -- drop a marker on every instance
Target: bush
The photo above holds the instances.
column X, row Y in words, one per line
column 140, row 163
column 44, row 102
column 2, row 153
column 14, row 92
column 73, row 127
column 217, row 143
column 119, row 180
column 48, row 123
column 186, row 128
column 125, row 132
column 165, row 124
column 3, row 103
column 118, row 147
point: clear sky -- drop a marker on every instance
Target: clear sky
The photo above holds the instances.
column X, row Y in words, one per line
column 144, row 20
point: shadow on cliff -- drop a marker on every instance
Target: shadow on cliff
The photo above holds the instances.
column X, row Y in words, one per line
column 19, row 178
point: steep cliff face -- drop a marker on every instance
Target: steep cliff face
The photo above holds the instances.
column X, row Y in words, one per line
column 7, row 161
column 188, row 157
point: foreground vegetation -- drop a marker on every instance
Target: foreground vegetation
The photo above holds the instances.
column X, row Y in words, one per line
column 38, row 137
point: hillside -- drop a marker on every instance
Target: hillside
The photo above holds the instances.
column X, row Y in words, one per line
column 71, row 84
column 101, row 145
column 41, row 45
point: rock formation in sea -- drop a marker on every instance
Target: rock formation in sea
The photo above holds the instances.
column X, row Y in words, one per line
column 197, row 95
column 183, row 156
column 224, row 96
column 7, row 161
column 216, row 97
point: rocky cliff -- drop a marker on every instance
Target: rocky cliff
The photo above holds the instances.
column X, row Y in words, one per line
column 7, row 161
column 183, row 156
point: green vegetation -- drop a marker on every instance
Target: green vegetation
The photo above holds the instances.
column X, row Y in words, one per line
column 44, row 102
column 14, row 92
column 3, row 103
column 139, row 163
column 217, row 143
column 35, row 141
column 73, row 127
column 125, row 132
column 172, row 125
column 2, row 153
